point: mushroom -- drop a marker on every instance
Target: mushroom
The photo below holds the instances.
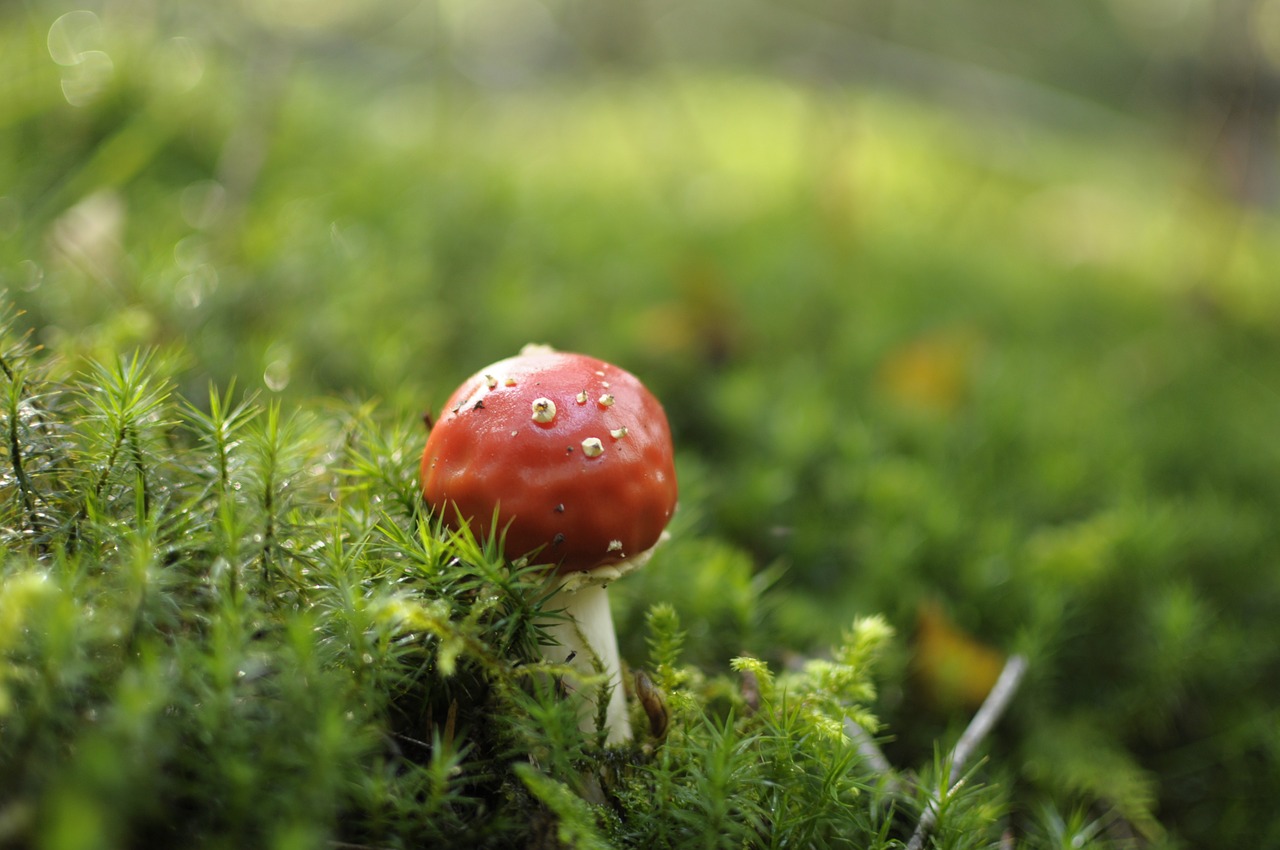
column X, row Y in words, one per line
column 572, row 456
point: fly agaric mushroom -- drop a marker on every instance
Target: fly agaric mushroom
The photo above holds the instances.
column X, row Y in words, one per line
column 573, row 457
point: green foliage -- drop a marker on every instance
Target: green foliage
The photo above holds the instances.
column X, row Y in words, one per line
column 917, row 356
column 764, row 765
column 231, row 625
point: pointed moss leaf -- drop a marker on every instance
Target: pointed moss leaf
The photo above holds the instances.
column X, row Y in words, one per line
column 575, row 817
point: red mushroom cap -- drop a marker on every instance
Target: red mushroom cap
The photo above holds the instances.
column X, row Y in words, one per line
column 572, row 451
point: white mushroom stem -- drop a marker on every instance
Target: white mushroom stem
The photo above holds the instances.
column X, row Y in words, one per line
column 585, row 638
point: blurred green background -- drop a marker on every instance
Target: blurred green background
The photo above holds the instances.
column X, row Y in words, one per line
column 965, row 314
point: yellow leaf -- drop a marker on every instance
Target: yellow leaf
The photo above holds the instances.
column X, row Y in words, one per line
column 953, row 669
column 931, row 373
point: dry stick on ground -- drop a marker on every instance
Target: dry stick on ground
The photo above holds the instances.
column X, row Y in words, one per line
column 871, row 754
column 992, row 708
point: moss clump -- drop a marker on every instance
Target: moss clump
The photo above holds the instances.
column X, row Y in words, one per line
column 227, row 624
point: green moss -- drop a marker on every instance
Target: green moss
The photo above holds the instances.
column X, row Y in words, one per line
column 234, row 626
column 918, row 359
